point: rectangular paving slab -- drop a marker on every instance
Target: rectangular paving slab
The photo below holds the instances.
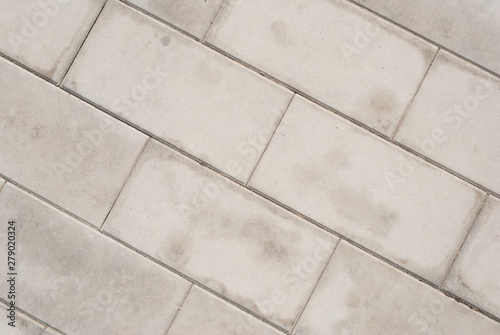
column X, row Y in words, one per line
column 46, row 35
column 192, row 16
column 177, row 89
column 203, row 313
column 80, row 281
column 367, row 189
column 62, row 148
column 359, row 294
column 220, row 234
column 330, row 50
column 475, row 275
column 469, row 28
column 455, row 120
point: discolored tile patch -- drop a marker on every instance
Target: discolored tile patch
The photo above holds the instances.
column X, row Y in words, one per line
column 367, row 189
column 220, row 234
column 60, row 147
column 46, row 35
column 330, row 50
column 203, row 313
column 475, row 276
column 192, row 16
column 359, row 294
column 179, row 90
column 455, row 115
column 81, row 282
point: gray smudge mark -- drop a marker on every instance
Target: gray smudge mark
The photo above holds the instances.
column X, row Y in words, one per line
column 165, row 41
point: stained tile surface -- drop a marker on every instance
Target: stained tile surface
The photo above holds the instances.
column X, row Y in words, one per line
column 329, row 50
column 203, row 313
column 476, row 272
column 192, row 16
column 60, row 147
column 178, row 90
column 358, row 294
column 112, row 290
column 367, row 189
column 45, row 35
column 220, row 234
column 455, row 120
column 469, row 28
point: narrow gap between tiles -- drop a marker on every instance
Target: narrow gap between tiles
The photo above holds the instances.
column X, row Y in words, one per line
column 420, row 36
column 213, row 20
column 474, row 220
column 314, row 288
column 125, row 182
column 179, row 309
column 403, row 117
column 81, row 45
column 270, row 139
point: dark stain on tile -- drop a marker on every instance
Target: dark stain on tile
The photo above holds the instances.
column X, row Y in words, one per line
column 280, row 32
column 383, row 102
column 165, row 41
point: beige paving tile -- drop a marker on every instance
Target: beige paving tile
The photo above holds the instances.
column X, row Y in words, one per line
column 469, row 28
column 454, row 120
column 330, row 50
column 61, row 148
column 2, row 181
column 192, row 16
column 46, row 35
column 475, row 276
column 81, row 282
column 203, row 313
column 178, row 89
column 220, row 234
column 359, row 294
column 23, row 325
column 367, row 189
column 50, row 331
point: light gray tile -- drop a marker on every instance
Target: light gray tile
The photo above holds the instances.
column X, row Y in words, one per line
column 367, row 189
column 455, row 120
column 50, row 331
column 192, row 16
column 179, row 90
column 475, row 276
column 203, row 313
column 60, row 147
column 470, row 28
column 45, row 35
column 359, row 294
column 80, row 281
column 2, row 181
column 23, row 325
column 220, row 234
column 330, row 50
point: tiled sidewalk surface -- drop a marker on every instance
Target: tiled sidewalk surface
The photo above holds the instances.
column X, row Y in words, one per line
column 251, row 167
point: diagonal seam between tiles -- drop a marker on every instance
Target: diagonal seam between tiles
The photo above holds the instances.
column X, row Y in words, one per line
column 31, row 316
column 179, row 308
column 213, row 20
column 83, row 42
column 270, row 139
column 474, row 221
column 125, row 182
column 403, row 117
column 428, row 40
column 314, row 288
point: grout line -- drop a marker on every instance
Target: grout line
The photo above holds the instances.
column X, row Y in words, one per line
column 403, row 117
column 179, row 308
column 314, row 288
column 215, row 18
column 270, row 139
column 31, row 316
column 26, row 68
column 465, row 239
column 125, row 182
column 416, row 34
column 3, row 185
column 81, row 45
